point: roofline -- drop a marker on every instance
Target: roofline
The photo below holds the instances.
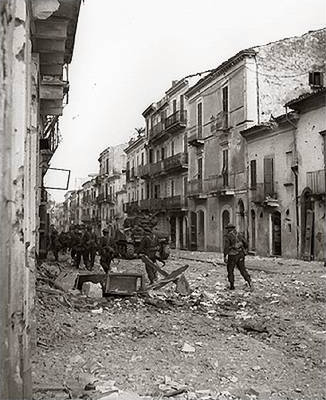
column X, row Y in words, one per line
column 221, row 69
column 176, row 87
column 134, row 143
column 295, row 104
column 148, row 110
column 283, row 119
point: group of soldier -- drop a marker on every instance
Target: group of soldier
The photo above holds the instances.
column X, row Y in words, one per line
column 83, row 244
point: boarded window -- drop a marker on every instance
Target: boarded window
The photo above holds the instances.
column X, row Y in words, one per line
column 269, row 176
column 253, row 174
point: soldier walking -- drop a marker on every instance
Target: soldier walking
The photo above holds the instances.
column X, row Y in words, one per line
column 106, row 250
column 90, row 241
column 54, row 244
column 150, row 247
column 235, row 249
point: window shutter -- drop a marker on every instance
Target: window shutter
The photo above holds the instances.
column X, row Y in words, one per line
column 253, row 174
column 268, row 176
column 200, row 119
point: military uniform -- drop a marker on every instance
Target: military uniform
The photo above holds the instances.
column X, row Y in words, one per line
column 79, row 249
column 106, row 250
column 90, row 242
column 54, row 244
column 150, row 247
column 235, row 248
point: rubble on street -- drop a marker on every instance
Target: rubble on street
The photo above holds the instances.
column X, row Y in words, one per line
column 210, row 344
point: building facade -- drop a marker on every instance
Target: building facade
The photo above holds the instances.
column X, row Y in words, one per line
column 37, row 40
column 112, row 186
column 135, row 185
column 166, row 168
column 248, row 89
column 286, row 163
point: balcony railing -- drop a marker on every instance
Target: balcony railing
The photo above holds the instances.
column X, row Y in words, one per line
column 220, row 184
column 263, row 193
column 131, row 207
column 195, row 187
column 144, row 170
column 174, row 202
column 316, row 181
column 194, row 138
column 177, row 161
column 150, row 204
column 102, row 198
column 157, row 130
column 176, row 121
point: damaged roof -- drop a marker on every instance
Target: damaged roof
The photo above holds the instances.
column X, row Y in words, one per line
column 317, row 96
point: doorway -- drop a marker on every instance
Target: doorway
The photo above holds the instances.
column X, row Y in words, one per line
column 253, row 230
column 173, row 231
column 241, row 217
column 307, row 231
column 276, row 234
column 201, row 230
column 225, row 222
column 193, row 231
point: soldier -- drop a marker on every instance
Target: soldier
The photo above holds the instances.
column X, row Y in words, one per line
column 54, row 244
column 79, row 248
column 72, row 241
column 106, row 250
column 235, row 249
column 90, row 240
column 150, row 247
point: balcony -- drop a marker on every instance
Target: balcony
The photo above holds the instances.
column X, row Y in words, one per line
column 176, row 121
column 223, row 185
column 150, row 204
column 176, row 162
column 102, row 198
column 144, row 170
column 264, row 194
column 316, row 181
column 174, row 202
column 157, row 131
column 195, row 187
column 195, row 137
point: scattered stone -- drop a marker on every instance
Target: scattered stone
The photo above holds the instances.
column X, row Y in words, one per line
column 97, row 311
column 187, row 348
column 93, row 290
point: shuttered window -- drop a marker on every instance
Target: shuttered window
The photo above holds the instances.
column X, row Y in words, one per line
column 200, row 119
column 269, row 176
column 225, row 169
column 200, row 169
column 253, row 174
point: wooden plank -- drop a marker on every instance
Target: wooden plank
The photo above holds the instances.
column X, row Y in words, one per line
column 146, row 260
column 170, row 278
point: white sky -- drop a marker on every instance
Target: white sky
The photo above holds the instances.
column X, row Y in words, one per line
column 127, row 52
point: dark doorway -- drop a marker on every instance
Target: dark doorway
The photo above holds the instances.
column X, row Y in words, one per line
column 225, row 222
column 253, row 230
column 307, row 231
column 201, row 230
column 276, row 234
column 193, row 231
column 172, row 231
column 241, row 217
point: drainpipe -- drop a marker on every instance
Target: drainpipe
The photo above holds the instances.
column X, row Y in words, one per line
column 295, row 171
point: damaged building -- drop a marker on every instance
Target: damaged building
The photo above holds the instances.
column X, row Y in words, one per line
column 36, row 46
column 249, row 89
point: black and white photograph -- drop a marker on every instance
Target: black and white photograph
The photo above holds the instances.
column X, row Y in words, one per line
column 162, row 200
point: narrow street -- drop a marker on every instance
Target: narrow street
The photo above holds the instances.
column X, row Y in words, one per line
column 213, row 344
